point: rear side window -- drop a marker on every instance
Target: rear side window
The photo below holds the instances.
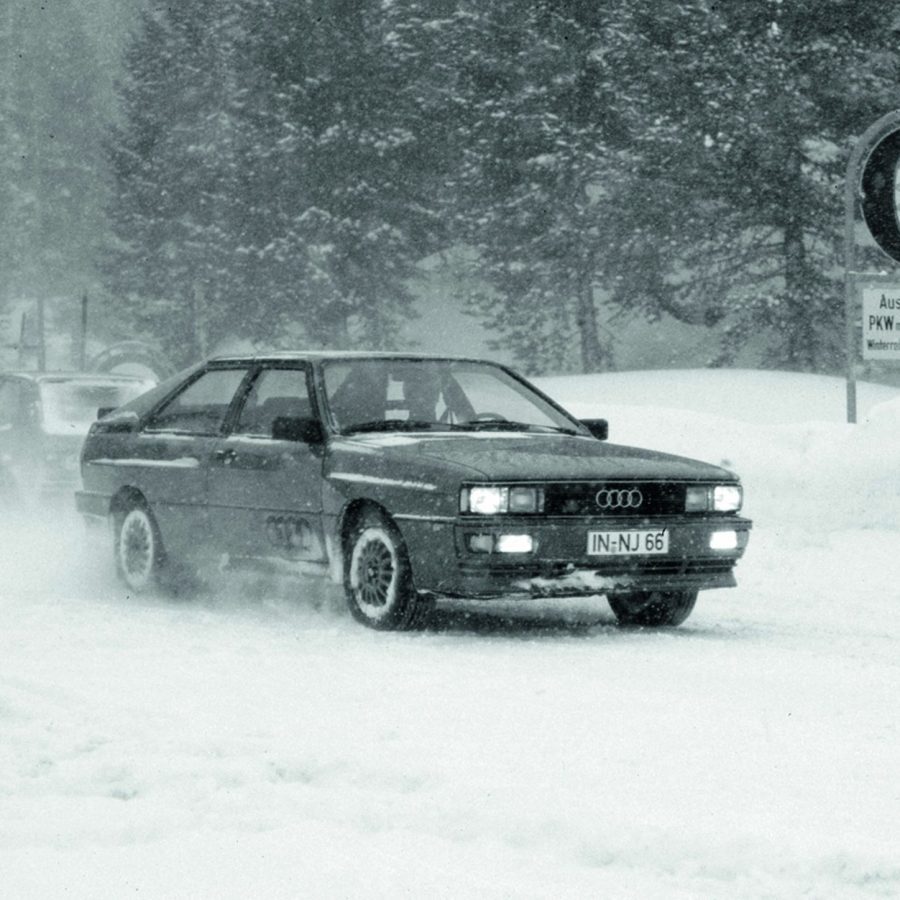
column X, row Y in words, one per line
column 202, row 406
column 276, row 393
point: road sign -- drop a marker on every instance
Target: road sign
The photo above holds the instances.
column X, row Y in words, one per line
column 881, row 322
column 872, row 180
column 879, row 193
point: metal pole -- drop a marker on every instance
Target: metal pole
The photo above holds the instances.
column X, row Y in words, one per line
column 871, row 136
column 41, row 345
column 82, row 349
column 849, row 295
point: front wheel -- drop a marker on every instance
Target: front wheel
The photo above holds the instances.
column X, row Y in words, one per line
column 138, row 549
column 653, row 608
column 378, row 578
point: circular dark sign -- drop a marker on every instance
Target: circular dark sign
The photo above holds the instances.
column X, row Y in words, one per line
column 879, row 200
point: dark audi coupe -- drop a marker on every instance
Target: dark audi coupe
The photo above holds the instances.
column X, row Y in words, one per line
column 407, row 479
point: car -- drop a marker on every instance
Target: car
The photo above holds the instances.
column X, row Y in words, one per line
column 407, row 479
column 44, row 417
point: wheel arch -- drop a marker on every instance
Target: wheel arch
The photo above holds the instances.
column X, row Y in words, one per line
column 125, row 498
column 353, row 513
column 347, row 520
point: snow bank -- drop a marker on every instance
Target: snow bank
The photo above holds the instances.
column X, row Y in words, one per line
column 802, row 466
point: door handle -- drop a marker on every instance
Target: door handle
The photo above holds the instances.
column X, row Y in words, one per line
column 226, row 457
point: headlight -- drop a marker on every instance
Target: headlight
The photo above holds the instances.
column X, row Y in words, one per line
column 727, row 498
column 493, row 499
column 487, row 501
column 713, row 498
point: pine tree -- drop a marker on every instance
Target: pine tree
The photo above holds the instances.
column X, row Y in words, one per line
column 51, row 185
column 683, row 158
column 175, row 157
column 345, row 162
column 274, row 175
column 539, row 162
column 743, row 115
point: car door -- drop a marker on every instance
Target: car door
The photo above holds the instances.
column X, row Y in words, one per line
column 171, row 456
column 265, row 493
column 9, row 413
column 21, row 450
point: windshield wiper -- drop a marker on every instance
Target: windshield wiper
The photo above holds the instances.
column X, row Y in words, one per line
column 557, row 429
column 510, row 425
column 392, row 425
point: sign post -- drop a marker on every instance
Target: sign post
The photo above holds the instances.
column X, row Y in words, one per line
column 874, row 184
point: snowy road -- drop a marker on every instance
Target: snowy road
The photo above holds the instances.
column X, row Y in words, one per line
column 243, row 742
column 254, row 741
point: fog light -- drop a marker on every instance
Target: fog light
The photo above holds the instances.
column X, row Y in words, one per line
column 723, row 540
column 514, row 543
column 481, row 543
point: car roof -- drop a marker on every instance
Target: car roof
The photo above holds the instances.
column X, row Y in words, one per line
column 110, row 377
column 332, row 355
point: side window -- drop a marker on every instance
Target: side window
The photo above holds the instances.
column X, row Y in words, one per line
column 201, row 407
column 8, row 404
column 14, row 409
column 275, row 393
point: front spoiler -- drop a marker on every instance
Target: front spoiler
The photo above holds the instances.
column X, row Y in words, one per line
column 92, row 505
column 583, row 583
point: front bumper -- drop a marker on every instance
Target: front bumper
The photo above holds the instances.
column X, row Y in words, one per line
column 91, row 505
column 560, row 565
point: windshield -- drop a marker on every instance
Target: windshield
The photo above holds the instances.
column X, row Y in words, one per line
column 412, row 395
column 71, row 406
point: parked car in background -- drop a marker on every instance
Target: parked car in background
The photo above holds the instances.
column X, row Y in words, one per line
column 44, row 417
column 407, row 478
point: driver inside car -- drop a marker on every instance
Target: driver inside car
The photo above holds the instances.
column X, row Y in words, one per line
column 421, row 392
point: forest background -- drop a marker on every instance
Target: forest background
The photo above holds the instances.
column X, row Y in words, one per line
column 588, row 180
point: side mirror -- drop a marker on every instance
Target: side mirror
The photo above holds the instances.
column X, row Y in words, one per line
column 599, row 428
column 301, row 430
column 122, row 423
column 104, row 411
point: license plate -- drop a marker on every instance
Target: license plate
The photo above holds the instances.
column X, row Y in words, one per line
column 628, row 543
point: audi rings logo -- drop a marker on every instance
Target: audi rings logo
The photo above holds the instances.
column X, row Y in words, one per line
column 619, row 498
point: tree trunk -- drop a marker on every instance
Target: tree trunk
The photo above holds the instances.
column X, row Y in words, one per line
column 801, row 350
column 198, row 321
column 593, row 357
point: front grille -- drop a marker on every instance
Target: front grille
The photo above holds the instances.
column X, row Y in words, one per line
column 617, row 498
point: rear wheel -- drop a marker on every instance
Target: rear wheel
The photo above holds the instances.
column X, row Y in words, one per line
column 138, row 548
column 653, row 608
column 378, row 577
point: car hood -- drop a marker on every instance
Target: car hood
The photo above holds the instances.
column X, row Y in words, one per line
column 529, row 456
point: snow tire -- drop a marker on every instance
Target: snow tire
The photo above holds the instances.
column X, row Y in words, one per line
column 653, row 608
column 378, row 580
column 138, row 549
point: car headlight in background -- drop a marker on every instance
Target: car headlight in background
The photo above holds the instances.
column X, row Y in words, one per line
column 494, row 499
column 713, row 498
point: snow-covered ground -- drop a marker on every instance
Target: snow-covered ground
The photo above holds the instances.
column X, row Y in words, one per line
column 253, row 741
